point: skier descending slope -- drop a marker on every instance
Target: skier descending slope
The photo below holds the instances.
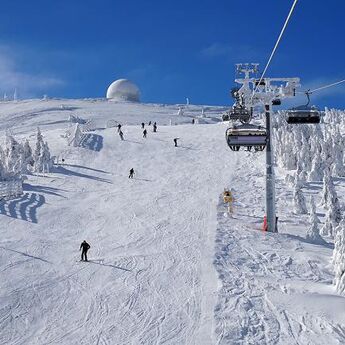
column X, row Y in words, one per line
column 144, row 133
column 85, row 247
column 142, row 125
column 131, row 173
column 121, row 135
column 119, row 128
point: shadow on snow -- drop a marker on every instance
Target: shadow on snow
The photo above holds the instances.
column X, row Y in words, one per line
column 24, row 207
column 25, row 254
column 92, row 142
column 64, row 171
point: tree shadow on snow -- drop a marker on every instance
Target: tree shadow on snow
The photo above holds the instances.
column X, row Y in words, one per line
column 133, row 142
column 302, row 239
column 96, row 262
column 25, row 254
column 142, row 179
column 64, row 171
column 92, row 142
column 187, row 148
column 43, row 189
column 23, row 208
column 84, row 167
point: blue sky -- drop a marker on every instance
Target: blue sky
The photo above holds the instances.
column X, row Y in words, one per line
column 171, row 49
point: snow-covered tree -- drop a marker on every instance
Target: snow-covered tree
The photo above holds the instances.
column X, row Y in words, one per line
column 313, row 233
column 327, row 188
column 339, row 257
column 27, row 158
column 46, row 158
column 328, row 228
column 299, row 200
column 312, row 211
column 42, row 159
column 39, row 143
column 3, row 170
column 13, row 155
column 317, row 169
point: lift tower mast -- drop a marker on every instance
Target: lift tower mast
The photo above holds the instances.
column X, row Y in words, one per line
column 265, row 92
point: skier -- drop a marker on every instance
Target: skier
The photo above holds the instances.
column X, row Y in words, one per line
column 155, row 127
column 121, row 134
column 144, row 133
column 193, row 121
column 131, row 173
column 175, row 141
column 118, row 128
column 150, row 123
column 85, row 247
column 142, row 125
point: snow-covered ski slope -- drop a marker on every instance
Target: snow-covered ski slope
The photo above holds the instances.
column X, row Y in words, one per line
column 167, row 264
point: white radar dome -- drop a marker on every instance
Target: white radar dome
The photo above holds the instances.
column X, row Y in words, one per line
column 123, row 90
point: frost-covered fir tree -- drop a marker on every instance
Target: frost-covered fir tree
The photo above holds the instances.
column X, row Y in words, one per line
column 27, row 158
column 39, row 142
column 339, row 257
column 13, row 156
column 3, row 170
column 327, row 188
column 299, row 200
column 304, row 155
column 338, row 168
column 42, row 160
column 312, row 210
column 328, row 228
column 46, row 158
column 317, row 168
column 313, row 233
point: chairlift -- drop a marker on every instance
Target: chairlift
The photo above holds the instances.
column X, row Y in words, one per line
column 304, row 114
column 247, row 136
column 239, row 113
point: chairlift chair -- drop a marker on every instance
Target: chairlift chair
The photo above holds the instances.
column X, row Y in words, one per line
column 247, row 136
column 239, row 113
column 303, row 114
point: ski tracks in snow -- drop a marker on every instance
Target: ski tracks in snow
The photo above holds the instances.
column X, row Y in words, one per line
column 257, row 271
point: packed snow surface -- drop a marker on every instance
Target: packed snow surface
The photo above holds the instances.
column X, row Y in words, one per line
column 168, row 264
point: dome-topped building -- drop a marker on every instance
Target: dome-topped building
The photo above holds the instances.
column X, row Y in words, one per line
column 123, row 90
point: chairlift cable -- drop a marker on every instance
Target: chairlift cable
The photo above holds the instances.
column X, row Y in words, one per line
column 327, row 86
column 276, row 45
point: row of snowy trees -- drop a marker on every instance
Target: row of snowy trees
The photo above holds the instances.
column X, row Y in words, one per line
column 316, row 153
column 19, row 158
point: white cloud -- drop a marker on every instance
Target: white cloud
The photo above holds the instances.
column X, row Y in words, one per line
column 217, row 49
column 27, row 84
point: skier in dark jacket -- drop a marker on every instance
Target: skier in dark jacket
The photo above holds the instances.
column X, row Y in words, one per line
column 85, row 247
column 144, row 133
column 142, row 125
column 131, row 173
column 155, row 127
column 175, row 141
column 121, row 134
column 118, row 128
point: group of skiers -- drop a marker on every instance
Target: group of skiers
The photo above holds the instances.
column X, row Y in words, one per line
column 154, row 126
column 84, row 246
